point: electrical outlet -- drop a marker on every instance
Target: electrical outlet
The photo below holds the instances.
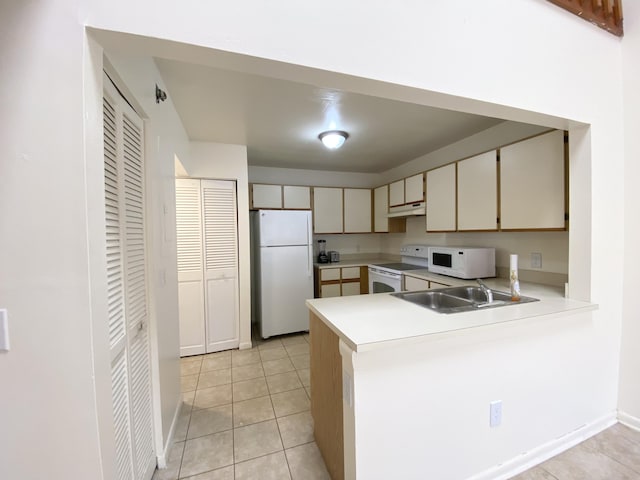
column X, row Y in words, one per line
column 495, row 413
column 536, row 260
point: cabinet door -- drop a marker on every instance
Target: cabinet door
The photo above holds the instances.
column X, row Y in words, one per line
column 266, row 196
column 327, row 274
column 357, row 210
column 414, row 189
column 441, row 199
column 327, row 210
column 350, row 288
column 413, row 284
column 297, row 197
column 478, row 192
column 331, row 290
column 350, row 273
column 433, row 285
column 532, row 183
column 396, row 193
column 381, row 209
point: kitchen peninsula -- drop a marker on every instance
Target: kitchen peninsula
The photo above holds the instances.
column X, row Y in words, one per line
column 398, row 389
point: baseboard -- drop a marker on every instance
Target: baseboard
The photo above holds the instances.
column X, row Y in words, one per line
column 544, row 452
column 162, row 457
column 244, row 345
column 629, row 420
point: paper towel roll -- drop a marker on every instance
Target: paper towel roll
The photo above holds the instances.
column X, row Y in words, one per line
column 513, row 262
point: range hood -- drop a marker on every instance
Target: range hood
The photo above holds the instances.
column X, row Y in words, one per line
column 410, row 210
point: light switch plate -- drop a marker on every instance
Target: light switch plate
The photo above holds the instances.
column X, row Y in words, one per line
column 4, row 330
column 536, row 260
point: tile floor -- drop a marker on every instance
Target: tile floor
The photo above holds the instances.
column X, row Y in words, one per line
column 246, row 415
column 613, row 454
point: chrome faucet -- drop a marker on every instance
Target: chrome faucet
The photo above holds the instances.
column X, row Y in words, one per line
column 487, row 291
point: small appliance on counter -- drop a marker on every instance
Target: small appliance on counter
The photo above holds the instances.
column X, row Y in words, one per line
column 322, row 252
column 463, row 262
column 334, row 256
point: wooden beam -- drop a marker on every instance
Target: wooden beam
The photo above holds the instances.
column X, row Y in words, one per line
column 606, row 14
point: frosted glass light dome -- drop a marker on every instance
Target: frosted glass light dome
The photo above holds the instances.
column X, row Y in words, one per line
column 333, row 139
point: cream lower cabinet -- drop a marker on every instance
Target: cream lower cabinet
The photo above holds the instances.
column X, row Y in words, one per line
column 413, row 284
column 340, row 281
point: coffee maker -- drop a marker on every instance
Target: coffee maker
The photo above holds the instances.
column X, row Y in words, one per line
column 322, row 252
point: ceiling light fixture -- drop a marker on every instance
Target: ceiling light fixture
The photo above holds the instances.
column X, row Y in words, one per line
column 333, row 139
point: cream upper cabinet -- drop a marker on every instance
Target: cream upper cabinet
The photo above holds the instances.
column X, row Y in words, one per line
column 266, row 196
column 396, row 193
column 327, row 210
column 357, row 210
column 381, row 209
column 532, row 183
column 296, row 197
column 478, row 192
column 414, row 189
column 441, row 199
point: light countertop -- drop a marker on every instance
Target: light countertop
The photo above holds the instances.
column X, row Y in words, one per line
column 367, row 322
column 358, row 262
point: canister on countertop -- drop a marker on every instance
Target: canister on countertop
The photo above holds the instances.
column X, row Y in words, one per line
column 513, row 277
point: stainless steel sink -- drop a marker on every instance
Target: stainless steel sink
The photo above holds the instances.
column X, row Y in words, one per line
column 459, row 299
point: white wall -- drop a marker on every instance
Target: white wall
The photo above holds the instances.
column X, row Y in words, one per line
column 317, row 178
column 510, row 60
column 630, row 361
column 48, row 401
column 165, row 138
column 229, row 162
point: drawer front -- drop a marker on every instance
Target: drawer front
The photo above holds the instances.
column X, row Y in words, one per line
column 412, row 284
column 331, row 290
column 350, row 272
column 329, row 274
column 438, row 285
column 350, row 288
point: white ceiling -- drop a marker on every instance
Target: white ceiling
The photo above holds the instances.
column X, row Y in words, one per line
column 279, row 121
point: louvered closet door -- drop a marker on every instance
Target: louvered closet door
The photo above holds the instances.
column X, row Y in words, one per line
column 190, row 267
column 221, row 264
column 127, row 288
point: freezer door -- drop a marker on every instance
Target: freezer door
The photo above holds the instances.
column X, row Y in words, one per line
column 281, row 227
column 286, row 277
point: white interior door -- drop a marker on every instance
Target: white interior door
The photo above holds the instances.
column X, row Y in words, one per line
column 219, row 212
column 127, row 287
column 190, row 266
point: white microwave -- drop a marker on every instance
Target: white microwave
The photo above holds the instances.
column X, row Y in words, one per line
column 463, row 262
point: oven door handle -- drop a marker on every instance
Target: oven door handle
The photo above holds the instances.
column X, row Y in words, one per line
column 385, row 274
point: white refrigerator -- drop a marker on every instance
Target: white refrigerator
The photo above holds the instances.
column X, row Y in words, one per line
column 282, row 270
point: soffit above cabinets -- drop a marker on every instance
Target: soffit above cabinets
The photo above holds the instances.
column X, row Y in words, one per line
column 279, row 121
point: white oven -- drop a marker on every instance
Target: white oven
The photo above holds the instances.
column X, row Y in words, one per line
column 383, row 280
column 387, row 277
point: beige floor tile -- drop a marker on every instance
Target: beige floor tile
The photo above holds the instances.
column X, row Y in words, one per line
column 210, row 420
column 306, row 337
column 536, row 473
column 248, row 389
column 581, row 462
column 308, row 390
column 213, row 396
column 182, row 425
column 173, row 464
column 187, row 400
column 305, row 463
column 300, row 361
column 256, row 440
column 305, row 376
column 216, row 363
column 273, row 367
column 252, row 411
column 269, row 467
column 296, row 429
column 241, row 358
column 288, row 403
column 221, row 354
column 293, row 339
column 214, row 378
column 283, row 382
column 225, row 473
column 207, row 453
column 188, row 383
column 268, row 343
column 247, row 372
column 297, row 349
column 275, row 353
column 190, row 366
column 620, row 443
